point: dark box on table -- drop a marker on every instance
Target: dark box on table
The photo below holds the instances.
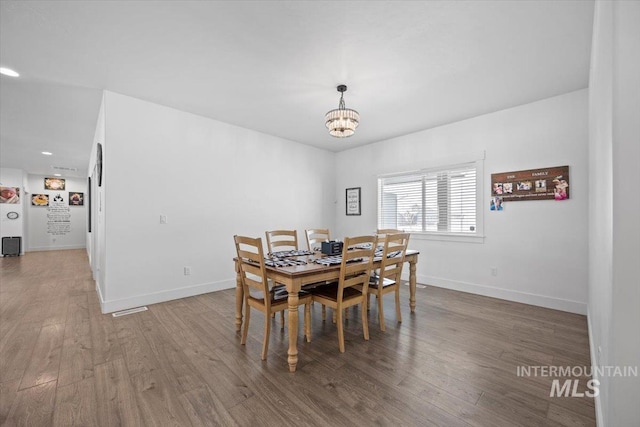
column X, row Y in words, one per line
column 332, row 248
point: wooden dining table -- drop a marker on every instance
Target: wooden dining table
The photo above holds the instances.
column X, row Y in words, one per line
column 294, row 277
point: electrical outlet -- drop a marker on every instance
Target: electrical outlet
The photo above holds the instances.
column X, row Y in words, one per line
column 163, row 219
column 494, row 271
column 187, row 271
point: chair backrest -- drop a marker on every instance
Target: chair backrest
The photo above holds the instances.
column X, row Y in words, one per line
column 356, row 273
column 316, row 236
column 251, row 264
column 382, row 233
column 388, row 231
column 282, row 240
column 393, row 253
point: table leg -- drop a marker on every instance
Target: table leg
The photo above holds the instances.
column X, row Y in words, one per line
column 293, row 331
column 239, row 298
column 412, row 286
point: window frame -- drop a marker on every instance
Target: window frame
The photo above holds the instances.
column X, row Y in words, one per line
column 474, row 160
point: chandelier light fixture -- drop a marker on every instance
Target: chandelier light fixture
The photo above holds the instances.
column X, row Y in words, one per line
column 342, row 122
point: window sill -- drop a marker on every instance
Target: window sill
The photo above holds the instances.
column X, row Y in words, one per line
column 448, row 237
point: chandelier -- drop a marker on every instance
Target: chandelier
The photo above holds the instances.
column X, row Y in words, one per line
column 342, row 122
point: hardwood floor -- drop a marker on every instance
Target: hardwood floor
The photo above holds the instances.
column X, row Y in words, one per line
column 452, row 363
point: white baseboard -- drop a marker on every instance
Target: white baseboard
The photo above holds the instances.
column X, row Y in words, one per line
column 54, row 248
column 506, row 294
column 157, row 297
column 594, row 362
column 100, row 296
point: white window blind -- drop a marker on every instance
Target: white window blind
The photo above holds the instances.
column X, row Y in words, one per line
column 439, row 200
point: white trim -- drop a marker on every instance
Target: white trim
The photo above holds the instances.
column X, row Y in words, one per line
column 506, row 294
column 157, row 297
column 54, row 248
column 447, row 237
column 594, row 362
column 100, row 297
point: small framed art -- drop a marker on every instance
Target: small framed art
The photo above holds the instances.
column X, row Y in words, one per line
column 353, row 201
column 54, row 184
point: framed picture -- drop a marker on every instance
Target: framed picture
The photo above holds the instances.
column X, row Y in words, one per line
column 76, row 199
column 532, row 184
column 54, row 184
column 99, row 164
column 10, row 195
column 353, row 201
column 40, row 200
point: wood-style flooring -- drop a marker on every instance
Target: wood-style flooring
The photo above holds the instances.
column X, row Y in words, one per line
column 452, row 363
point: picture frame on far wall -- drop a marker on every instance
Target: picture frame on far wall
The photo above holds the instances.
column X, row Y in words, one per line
column 55, row 184
column 40, row 200
column 76, row 199
column 353, row 201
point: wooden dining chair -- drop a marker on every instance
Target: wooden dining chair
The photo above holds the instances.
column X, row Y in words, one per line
column 387, row 278
column 383, row 232
column 315, row 237
column 282, row 240
column 259, row 295
column 351, row 288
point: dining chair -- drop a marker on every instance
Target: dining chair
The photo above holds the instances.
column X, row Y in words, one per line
column 282, row 240
column 352, row 285
column 315, row 237
column 383, row 232
column 259, row 295
column 387, row 278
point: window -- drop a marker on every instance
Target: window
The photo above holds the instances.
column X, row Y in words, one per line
column 441, row 201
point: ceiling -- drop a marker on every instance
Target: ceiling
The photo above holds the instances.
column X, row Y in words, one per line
column 273, row 66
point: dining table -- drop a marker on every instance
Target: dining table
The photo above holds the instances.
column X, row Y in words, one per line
column 295, row 276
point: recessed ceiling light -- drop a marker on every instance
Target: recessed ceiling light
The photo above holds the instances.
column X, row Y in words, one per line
column 8, row 72
column 46, row 153
column 56, row 174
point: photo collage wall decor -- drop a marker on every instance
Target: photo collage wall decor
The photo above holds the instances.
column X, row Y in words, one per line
column 533, row 184
column 57, row 184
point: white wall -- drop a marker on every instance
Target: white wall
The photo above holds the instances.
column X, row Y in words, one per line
column 538, row 247
column 13, row 227
column 212, row 180
column 601, row 195
column 95, row 239
column 614, row 208
column 38, row 238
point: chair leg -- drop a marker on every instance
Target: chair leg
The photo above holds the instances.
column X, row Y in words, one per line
column 265, row 343
column 365, row 325
column 247, row 317
column 368, row 301
column 324, row 312
column 381, row 313
column 282, row 320
column 398, row 314
column 346, row 313
column 307, row 321
column 334, row 316
column 340, row 329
